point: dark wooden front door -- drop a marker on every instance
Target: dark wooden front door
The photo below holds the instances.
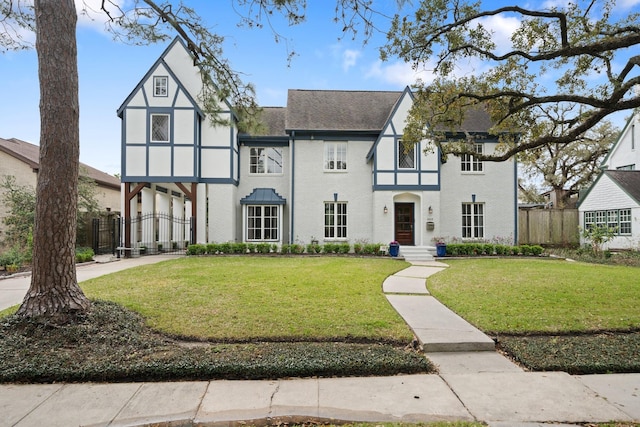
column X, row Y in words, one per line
column 404, row 223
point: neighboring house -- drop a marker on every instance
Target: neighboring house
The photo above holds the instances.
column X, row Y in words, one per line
column 330, row 167
column 20, row 159
column 614, row 198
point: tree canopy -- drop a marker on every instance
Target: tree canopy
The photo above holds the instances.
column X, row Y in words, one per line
column 576, row 58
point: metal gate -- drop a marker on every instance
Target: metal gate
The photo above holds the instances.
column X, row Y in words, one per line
column 155, row 233
column 105, row 235
column 150, row 234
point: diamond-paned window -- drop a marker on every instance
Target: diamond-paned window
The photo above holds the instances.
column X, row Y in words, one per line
column 160, row 128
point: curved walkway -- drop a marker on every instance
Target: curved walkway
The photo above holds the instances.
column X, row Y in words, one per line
column 471, row 385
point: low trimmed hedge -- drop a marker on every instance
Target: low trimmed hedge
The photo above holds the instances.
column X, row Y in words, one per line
column 284, row 249
column 489, row 249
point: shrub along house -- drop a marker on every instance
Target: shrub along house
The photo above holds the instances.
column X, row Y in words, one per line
column 613, row 200
column 331, row 167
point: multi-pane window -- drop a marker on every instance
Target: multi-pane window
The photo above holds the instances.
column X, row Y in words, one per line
column 335, row 156
column 335, row 220
column 406, row 156
column 160, row 128
column 265, row 160
column 262, row 222
column 473, row 220
column 618, row 220
column 160, row 86
column 470, row 163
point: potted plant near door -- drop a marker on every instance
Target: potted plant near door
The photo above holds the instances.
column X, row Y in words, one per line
column 394, row 248
column 441, row 247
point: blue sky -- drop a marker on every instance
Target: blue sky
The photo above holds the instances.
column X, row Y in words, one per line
column 109, row 70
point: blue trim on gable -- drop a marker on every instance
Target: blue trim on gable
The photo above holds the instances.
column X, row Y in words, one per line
column 155, row 179
column 389, row 121
column 149, row 74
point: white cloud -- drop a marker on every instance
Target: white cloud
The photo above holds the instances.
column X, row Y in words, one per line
column 502, row 28
column 396, row 73
column 349, row 58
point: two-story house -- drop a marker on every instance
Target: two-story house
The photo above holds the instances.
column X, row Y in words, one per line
column 613, row 200
column 330, row 167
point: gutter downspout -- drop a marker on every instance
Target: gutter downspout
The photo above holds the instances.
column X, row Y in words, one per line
column 293, row 186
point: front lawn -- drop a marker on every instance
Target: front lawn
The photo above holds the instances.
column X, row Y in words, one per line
column 221, row 317
column 549, row 314
column 243, row 299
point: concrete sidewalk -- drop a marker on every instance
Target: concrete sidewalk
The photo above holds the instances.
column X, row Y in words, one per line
column 14, row 288
column 471, row 385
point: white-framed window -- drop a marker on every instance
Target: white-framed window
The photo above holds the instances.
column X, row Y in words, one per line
column 265, row 160
column 473, row 220
column 263, row 223
column 335, row 220
column 406, row 156
column 160, row 86
column 618, row 220
column 160, row 127
column 335, row 156
column 469, row 163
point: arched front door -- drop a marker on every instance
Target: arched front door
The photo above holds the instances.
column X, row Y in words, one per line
column 404, row 223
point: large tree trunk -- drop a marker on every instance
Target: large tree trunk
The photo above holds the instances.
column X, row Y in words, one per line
column 54, row 291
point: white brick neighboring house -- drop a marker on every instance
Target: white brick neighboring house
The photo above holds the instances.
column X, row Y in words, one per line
column 614, row 198
column 20, row 159
column 330, row 167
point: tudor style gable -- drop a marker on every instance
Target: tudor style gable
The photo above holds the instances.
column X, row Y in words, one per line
column 163, row 127
column 397, row 166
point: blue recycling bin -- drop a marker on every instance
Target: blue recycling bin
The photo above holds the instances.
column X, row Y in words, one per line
column 394, row 249
column 441, row 250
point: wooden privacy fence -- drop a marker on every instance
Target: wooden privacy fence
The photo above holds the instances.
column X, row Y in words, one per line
column 549, row 227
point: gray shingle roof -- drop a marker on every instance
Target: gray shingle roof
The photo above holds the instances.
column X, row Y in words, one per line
column 273, row 119
column 319, row 110
column 343, row 110
column 628, row 180
column 30, row 154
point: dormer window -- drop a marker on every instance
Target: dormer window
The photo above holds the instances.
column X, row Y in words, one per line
column 160, row 86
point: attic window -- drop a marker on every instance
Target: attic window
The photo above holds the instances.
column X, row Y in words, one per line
column 160, row 86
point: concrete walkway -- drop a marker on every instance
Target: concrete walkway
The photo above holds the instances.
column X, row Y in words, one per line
column 471, row 385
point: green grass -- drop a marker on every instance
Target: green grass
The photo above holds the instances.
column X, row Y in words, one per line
column 518, row 296
column 243, row 299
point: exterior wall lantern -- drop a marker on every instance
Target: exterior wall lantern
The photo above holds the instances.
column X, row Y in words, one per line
column 385, row 210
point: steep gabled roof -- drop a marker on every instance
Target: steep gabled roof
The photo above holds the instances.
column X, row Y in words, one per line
column 149, row 73
column 627, row 180
column 619, row 140
column 336, row 110
column 30, row 154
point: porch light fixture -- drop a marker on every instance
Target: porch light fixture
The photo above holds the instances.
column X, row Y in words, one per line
column 430, row 210
column 385, row 210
